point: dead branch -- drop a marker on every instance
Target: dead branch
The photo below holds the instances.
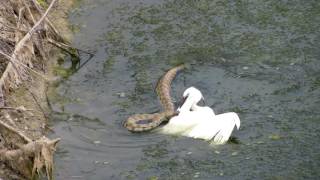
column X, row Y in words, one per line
column 72, row 51
column 48, row 21
column 41, row 151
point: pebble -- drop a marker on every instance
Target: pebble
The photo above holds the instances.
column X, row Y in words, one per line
column 245, row 68
column 106, row 162
column 217, row 152
column 234, row 153
column 21, row 108
column 96, row 142
column 189, row 152
column 221, row 174
column 291, row 64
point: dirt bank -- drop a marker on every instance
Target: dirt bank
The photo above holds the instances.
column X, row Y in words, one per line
column 30, row 34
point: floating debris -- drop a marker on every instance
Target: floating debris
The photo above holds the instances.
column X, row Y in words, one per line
column 274, row 137
column 234, row 153
column 121, row 94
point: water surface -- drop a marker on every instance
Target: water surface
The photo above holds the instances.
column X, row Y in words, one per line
column 257, row 58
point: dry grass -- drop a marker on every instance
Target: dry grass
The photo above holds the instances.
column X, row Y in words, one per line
column 24, row 51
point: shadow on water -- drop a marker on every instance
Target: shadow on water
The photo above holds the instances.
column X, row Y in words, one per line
column 257, row 58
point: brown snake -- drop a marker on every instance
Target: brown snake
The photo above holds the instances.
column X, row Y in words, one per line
column 163, row 91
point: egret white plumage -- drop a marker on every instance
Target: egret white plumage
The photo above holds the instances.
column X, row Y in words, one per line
column 201, row 122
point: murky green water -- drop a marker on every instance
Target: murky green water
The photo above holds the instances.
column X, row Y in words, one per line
column 258, row 58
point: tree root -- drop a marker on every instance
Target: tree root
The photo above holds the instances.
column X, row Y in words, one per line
column 29, row 157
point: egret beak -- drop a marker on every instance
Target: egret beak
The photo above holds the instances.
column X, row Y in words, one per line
column 181, row 102
column 202, row 99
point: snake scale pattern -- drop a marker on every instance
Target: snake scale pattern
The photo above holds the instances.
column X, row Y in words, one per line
column 133, row 123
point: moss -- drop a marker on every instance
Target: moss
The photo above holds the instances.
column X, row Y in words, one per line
column 63, row 72
column 153, row 178
column 43, row 3
column 108, row 64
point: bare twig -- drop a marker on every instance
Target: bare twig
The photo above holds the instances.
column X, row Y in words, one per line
column 65, row 46
column 20, row 108
column 48, row 21
column 1, row 98
column 29, row 34
column 12, row 60
column 8, row 117
column 29, row 11
column 12, row 129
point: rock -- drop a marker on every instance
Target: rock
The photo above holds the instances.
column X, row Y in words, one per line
column 96, row 142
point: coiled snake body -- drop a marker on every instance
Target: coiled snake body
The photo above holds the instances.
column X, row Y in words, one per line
column 163, row 91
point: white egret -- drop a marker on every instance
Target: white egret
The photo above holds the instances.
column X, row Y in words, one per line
column 201, row 122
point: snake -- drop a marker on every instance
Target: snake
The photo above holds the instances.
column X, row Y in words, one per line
column 163, row 88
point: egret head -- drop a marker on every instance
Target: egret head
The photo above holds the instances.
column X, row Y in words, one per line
column 192, row 94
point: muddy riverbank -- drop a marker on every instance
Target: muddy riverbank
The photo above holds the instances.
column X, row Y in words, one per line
column 27, row 64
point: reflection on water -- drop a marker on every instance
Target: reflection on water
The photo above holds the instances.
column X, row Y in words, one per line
column 257, row 58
